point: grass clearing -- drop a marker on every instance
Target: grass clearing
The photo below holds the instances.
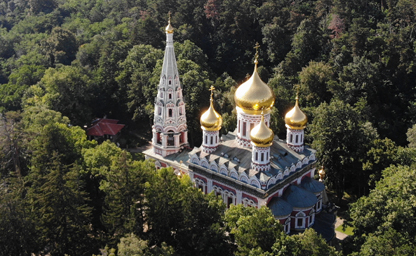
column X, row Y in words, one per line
column 348, row 230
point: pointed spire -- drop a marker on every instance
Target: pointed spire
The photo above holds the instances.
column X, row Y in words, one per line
column 256, row 56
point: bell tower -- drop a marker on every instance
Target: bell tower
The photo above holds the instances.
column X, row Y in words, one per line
column 170, row 133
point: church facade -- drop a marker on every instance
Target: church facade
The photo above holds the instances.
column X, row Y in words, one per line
column 249, row 166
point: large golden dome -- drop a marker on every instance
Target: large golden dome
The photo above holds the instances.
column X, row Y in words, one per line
column 211, row 120
column 254, row 95
column 295, row 118
column 261, row 135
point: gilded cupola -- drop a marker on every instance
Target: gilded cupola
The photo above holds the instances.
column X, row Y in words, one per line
column 295, row 118
column 211, row 120
column 261, row 135
column 169, row 29
column 254, row 94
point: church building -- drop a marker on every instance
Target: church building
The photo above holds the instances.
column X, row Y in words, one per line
column 249, row 166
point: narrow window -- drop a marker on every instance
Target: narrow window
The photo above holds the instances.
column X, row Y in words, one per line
column 300, row 222
column 257, row 156
column 170, row 95
column 216, row 139
column 159, row 110
column 229, row 202
column 296, row 139
column 262, row 157
column 301, row 138
column 170, row 112
column 244, row 128
column 291, row 138
column 170, row 82
column 267, row 156
column 239, row 124
column 206, row 139
column 251, row 126
column 212, row 140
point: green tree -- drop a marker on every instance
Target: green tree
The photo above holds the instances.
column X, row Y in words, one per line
column 303, row 244
column 252, row 228
column 59, row 209
column 13, row 154
column 135, row 79
column 123, row 184
column 391, row 242
column 183, row 217
column 19, row 80
column 61, row 46
column 411, row 136
column 131, row 245
column 66, row 89
column 386, row 210
column 17, row 229
column 314, row 80
column 341, row 142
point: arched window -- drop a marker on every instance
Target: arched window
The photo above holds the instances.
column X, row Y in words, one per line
column 286, row 227
column 300, row 220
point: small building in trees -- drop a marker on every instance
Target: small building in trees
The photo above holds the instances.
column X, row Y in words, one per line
column 104, row 129
column 249, row 166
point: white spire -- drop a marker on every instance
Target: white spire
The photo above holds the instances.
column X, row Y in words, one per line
column 170, row 132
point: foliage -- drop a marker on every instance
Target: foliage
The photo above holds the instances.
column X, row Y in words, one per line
column 387, row 210
column 252, row 228
column 340, row 139
column 181, row 216
column 130, row 245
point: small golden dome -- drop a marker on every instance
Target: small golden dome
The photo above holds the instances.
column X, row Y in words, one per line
column 169, row 29
column 254, row 95
column 261, row 135
column 211, row 120
column 295, row 118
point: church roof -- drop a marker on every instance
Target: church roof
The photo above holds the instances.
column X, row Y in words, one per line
column 299, row 197
column 312, row 185
column 229, row 151
column 104, row 127
column 280, row 207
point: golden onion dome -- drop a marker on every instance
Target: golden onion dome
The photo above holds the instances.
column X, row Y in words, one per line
column 169, row 29
column 261, row 135
column 211, row 120
column 295, row 118
column 254, row 95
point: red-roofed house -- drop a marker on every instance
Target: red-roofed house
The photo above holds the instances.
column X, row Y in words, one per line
column 103, row 129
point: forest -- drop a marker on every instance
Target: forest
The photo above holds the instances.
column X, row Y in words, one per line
column 64, row 63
